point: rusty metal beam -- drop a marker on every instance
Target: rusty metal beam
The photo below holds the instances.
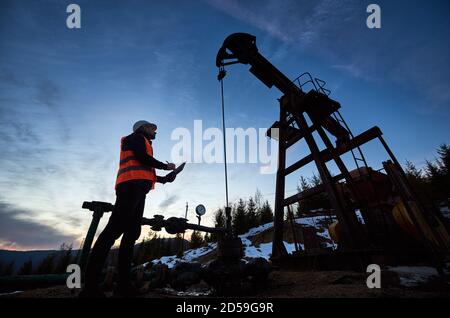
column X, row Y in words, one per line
column 351, row 216
column 303, row 195
column 278, row 248
column 325, row 154
column 299, row 136
column 350, row 235
column 310, row 192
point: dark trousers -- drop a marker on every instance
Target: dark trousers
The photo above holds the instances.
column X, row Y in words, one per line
column 125, row 219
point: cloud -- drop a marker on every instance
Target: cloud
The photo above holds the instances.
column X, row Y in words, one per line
column 330, row 30
column 47, row 93
column 18, row 231
column 60, row 173
column 255, row 13
column 407, row 55
column 30, row 131
column 351, row 69
column 422, row 69
column 25, row 133
column 295, row 22
column 171, row 199
column 8, row 77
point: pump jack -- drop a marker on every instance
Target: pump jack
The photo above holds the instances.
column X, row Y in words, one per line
column 346, row 190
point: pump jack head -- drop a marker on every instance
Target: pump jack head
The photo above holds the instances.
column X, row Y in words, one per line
column 241, row 45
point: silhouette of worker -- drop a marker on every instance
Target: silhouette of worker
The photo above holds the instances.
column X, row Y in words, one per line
column 136, row 177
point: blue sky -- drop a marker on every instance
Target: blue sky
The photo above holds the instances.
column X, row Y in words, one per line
column 67, row 96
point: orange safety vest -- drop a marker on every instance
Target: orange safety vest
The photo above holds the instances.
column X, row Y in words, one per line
column 132, row 169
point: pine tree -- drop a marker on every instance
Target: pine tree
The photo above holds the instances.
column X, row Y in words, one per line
column 438, row 176
column 315, row 180
column 7, row 270
column 412, row 172
column 265, row 214
column 239, row 218
column 158, row 246
column 417, row 180
column 252, row 219
column 150, row 248
column 319, row 201
column 147, row 252
column 436, row 181
column 167, row 247
column 433, row 181
column 155, row 246
column 219, row 221
column 303, row 206
column 47, row 265
column 444, row 162
column 65, row 258
column 304, row 185
column 196, row 240
column 26, row 269
column 180, row 245
column 219, row 218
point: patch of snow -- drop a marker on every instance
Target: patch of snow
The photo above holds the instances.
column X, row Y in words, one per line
column 245, row 241
column 411, row 276
column 262, row 250
column 170, row 261
column 290, row 247
column 445, row 212
column 314, row 221
column 11, row 293
column 259, row 229
column 324, row 234
column 187, row 293
column 188, row 256
column 359, row 217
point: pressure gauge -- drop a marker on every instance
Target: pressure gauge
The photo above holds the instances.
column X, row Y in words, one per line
column 200, row 209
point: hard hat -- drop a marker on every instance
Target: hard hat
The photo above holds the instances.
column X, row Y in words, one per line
column 141, row 123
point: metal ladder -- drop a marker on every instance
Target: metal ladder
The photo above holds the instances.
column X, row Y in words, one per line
column 319, row 86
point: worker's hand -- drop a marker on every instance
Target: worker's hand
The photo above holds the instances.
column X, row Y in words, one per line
column 170, row 166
